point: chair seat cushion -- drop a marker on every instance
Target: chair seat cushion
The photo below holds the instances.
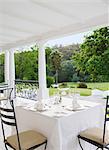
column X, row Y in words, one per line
column 3, row 98
column 95, row 134
column 28, row 139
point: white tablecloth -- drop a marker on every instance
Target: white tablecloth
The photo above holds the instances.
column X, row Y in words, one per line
column 62, row 131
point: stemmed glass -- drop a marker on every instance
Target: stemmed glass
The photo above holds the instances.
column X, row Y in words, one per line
column 74, row 94
column 57, row 96
column 71, row 93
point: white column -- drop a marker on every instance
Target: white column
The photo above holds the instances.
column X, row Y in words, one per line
column 7, row 66
column 43, row 91
column 12, row 72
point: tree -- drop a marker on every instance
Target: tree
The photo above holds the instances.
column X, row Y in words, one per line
column 93, row 57
column 27, row 65
column 56, row 58
column 48, row 51
column 67, row 51
column 67, row 71
column 2, row 67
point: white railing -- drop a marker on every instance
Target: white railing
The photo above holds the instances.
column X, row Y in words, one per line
column 26, row 89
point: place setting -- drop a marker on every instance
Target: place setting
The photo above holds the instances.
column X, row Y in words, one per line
column 75, row 103
column 59, row 105
column 38, row 107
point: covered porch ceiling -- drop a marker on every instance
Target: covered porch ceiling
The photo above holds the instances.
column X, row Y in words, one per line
column 25, row 22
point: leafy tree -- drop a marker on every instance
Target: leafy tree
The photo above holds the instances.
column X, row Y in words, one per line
column 56, row 58
column 27, row 65
column 93, row 57
column 67, row 51
column 67, row 71
column 49, row 69
column 1, row 67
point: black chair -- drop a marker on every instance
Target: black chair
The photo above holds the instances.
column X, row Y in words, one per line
column 97, row 136
column 27, row 140
column 7, row 95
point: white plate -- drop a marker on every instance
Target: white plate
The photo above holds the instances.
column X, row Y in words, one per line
column 44, row 109
column 58, row 116
column 75, row 109
column 35, row 109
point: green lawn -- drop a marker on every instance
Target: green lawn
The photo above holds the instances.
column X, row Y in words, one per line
column 101, row 86
column 83, row 92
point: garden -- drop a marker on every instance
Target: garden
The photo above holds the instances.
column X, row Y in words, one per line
column 84, row 89
column 78, row 67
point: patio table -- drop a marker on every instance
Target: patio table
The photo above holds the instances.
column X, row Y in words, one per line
column 59, row 124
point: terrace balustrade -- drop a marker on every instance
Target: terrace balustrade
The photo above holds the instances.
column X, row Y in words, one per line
column 26, row 89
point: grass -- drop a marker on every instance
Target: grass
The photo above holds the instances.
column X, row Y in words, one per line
column 101, row 85
column 83, row 92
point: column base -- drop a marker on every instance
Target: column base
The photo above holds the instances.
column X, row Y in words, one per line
column 43, row 94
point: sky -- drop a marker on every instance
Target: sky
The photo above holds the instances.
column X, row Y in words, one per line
column 77, row 38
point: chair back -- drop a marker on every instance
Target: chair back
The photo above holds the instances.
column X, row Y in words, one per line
column 7, row 91
column 106, row 117
column 8, row 118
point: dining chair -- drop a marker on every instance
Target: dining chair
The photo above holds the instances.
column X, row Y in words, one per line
column 26, row 140
column 6, row 93
column 96, row 136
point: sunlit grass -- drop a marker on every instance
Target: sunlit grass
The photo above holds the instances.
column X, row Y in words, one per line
column 82, row 91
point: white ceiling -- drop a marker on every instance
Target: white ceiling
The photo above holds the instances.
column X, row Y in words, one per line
column 27, row 21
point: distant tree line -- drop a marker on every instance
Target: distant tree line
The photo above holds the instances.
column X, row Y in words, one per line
column 88, row 61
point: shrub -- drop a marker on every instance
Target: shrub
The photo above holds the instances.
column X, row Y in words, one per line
column 50, row 81
column 71, row 86
column 63, row 85
column 82, row 85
